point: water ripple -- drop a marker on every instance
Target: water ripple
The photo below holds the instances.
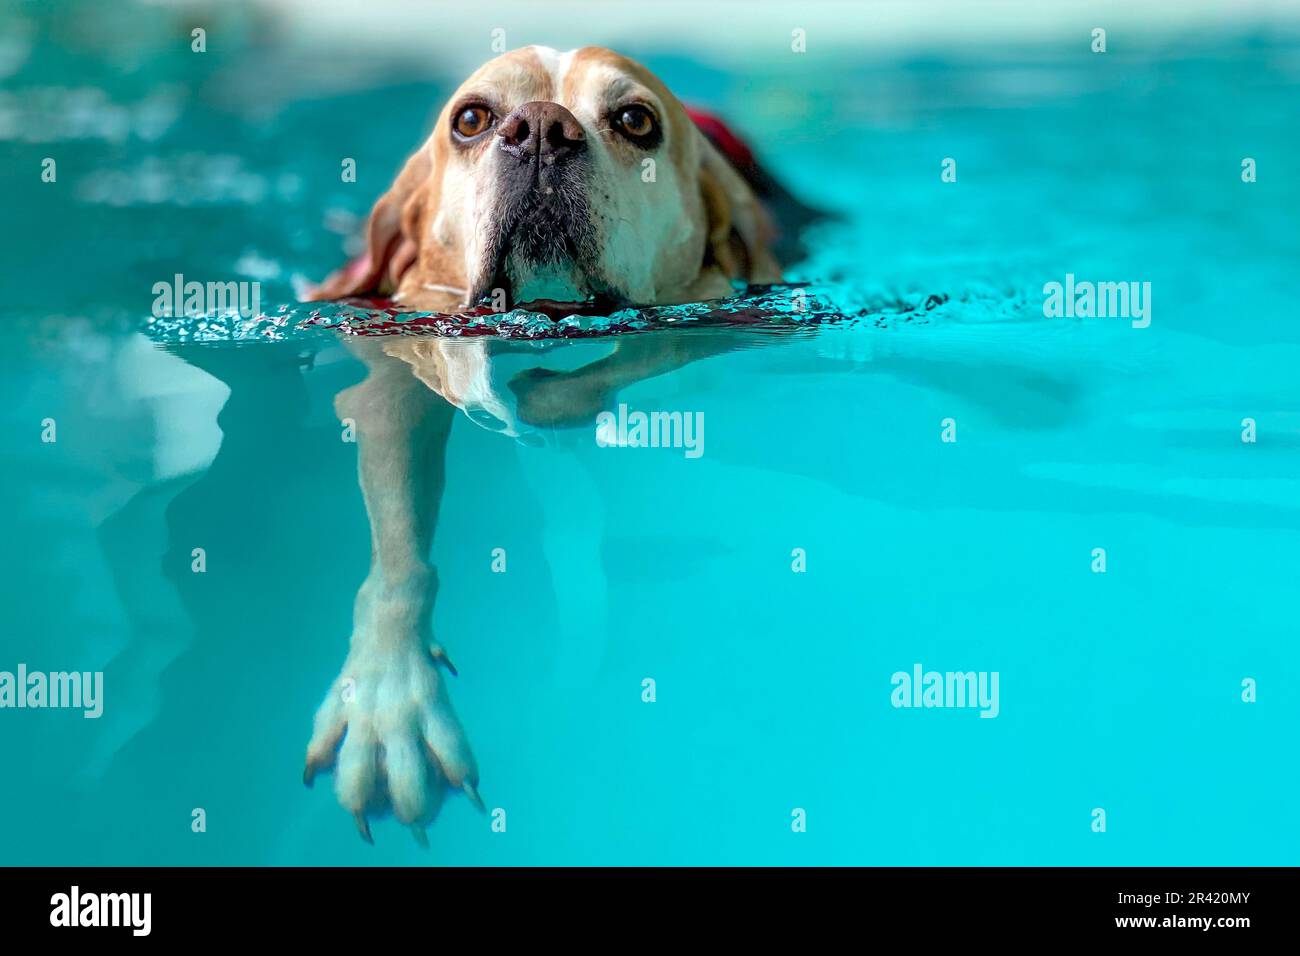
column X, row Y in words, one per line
column 759, row 308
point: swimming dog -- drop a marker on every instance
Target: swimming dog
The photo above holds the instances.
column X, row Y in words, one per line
column 550, row 179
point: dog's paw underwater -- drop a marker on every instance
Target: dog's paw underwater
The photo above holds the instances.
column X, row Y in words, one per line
column 387, row 730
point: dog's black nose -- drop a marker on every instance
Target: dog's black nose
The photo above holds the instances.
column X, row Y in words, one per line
column 541, row 132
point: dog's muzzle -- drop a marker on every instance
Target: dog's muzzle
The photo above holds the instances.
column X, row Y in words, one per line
column 543, row 181
column 542, row 216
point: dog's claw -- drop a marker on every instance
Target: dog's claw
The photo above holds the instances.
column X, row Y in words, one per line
column 363, row 827
column 472, row 793
column 326, row 737
column 311, row 769
column 440, row 656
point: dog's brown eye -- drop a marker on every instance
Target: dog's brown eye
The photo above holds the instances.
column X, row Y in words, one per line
column 635, row 121
column 471, row 121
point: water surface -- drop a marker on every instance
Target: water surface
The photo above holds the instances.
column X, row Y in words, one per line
column 1119, row 691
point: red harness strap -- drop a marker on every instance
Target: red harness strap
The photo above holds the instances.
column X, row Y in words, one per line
column 725, row 140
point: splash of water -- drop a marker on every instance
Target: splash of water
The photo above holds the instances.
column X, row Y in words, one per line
column 759, row 308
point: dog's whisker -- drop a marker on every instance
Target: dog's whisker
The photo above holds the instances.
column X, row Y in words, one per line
column 450, row 289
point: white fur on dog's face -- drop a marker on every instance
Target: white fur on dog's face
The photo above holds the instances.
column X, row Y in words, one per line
column 658, row 219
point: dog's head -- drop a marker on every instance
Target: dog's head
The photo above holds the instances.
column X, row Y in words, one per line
column 562, row 176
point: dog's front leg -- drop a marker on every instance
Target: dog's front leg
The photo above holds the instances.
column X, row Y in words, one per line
column 387, row 726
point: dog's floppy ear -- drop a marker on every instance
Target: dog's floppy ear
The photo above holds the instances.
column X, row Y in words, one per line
column 392, row 237
column 740, row 232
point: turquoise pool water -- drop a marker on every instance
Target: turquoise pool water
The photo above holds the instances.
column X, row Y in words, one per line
column 1120, row 691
